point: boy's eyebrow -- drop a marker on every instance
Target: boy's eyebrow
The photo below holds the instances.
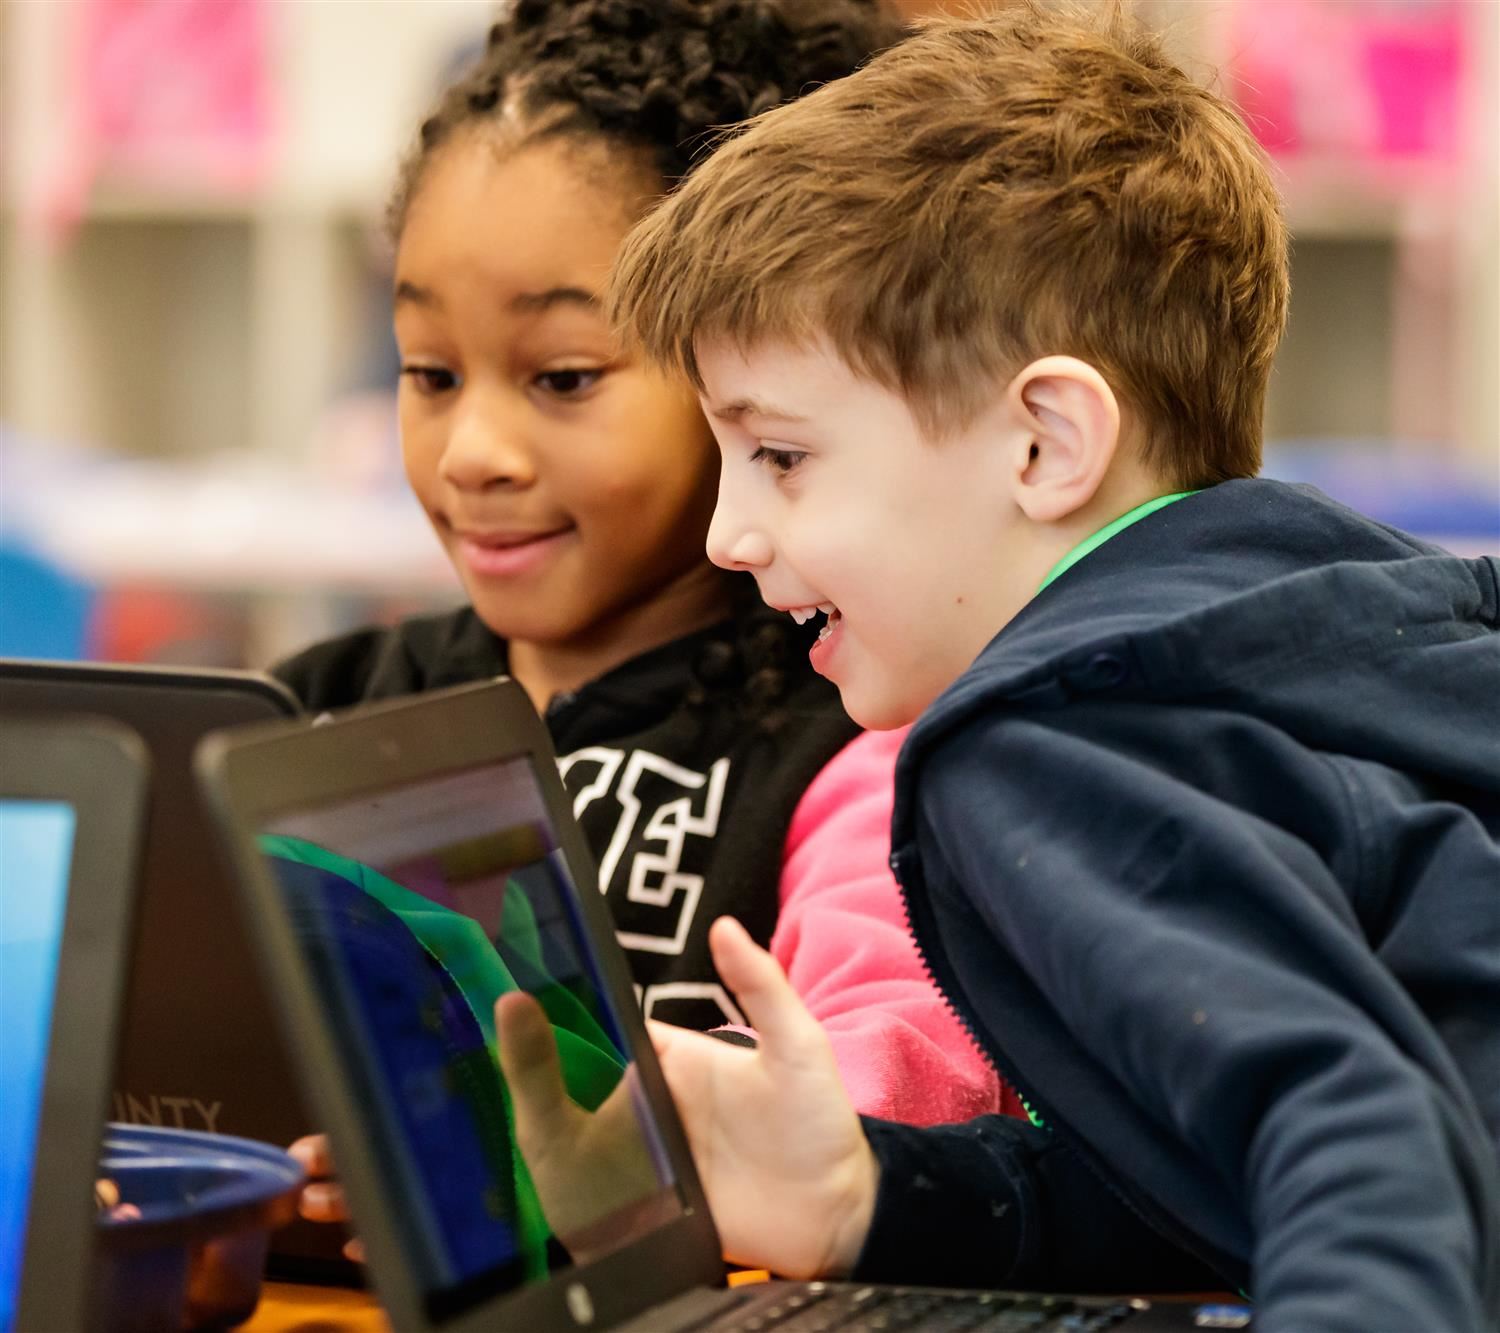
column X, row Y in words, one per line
column 753, row 407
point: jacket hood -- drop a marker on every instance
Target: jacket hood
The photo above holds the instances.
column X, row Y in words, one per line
column 1277, row 602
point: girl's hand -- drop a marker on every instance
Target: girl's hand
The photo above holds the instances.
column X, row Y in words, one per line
column 789, row 1175
column 322, row 1198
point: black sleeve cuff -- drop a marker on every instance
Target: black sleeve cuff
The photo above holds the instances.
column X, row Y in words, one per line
column 954, row 1207
column 997, row 1202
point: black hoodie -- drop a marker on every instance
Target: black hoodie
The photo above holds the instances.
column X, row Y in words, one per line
column 685, row 766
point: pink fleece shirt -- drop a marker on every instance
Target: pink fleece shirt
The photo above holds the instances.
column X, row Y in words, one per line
column 843, row 939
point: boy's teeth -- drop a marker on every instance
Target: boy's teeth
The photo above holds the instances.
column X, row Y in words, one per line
column 802, row 614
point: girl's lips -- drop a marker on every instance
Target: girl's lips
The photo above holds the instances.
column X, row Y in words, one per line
column 506, row 557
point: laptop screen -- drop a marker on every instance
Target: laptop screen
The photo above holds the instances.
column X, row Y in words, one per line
column 416, row 908
column 36, row 852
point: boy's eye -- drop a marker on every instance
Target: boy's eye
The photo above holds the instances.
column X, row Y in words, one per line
column 780, row 461
column 571, row 383
column 430, row 379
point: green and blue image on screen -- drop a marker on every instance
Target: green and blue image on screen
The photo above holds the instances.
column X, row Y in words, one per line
column 36, row 851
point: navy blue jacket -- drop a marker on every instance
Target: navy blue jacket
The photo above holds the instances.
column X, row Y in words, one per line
column 1205, row 849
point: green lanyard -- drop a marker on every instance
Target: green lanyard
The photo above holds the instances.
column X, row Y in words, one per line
column 1091, row 544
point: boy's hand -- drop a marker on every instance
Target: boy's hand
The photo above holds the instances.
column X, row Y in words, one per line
column 786, row 1166
column 592, row 1170
column 322, row 1198
column 789, row 1174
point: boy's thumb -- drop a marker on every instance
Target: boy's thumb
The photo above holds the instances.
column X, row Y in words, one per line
column 528, row 1059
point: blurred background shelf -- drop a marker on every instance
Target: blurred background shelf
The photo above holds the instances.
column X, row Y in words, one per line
column 214, row 345
column 177, row 315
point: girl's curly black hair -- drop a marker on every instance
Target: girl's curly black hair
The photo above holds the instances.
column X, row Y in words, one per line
column 658, row 78
column 656, row 75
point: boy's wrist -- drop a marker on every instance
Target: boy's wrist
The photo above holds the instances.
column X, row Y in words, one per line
column 858, row 1212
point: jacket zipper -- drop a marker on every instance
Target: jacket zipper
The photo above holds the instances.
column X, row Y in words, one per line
column 938, row 972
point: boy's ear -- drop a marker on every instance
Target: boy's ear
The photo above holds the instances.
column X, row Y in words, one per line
column 1068, row 424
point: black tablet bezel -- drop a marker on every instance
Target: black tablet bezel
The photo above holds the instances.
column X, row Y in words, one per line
column 101, row 769
column 255, row 775
column 172, row 708
column 132, row 673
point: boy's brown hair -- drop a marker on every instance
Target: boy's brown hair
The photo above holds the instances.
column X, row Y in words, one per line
column 991, row 191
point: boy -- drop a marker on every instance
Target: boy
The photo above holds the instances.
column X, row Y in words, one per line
column 1198, row 826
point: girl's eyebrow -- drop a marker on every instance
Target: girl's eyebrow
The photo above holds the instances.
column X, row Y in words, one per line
column 522, row 302
column 536, row 302
column 410, row 293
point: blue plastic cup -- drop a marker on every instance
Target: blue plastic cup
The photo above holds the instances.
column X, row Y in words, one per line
column 186, row 1250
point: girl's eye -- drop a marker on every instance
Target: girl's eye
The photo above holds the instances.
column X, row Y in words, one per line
column 430, row 379
column 571, row 383
column 780, row 461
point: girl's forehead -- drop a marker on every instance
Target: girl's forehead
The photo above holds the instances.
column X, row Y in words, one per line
column 542, row 165
column 501, row 237
column 539, row 212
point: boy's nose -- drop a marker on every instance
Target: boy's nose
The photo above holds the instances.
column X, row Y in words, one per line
column 485, row 449
column 732, row 545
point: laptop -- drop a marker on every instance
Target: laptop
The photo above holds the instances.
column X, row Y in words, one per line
column 406, row 864
column 199, row 1047
column 72, row 807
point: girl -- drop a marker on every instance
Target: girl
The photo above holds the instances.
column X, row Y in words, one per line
column 711, row 769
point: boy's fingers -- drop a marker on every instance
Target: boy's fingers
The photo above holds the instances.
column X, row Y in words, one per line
column 528, row 1059
column 313, row 1155
column 779, row 1018
column 668, row 1036
column 662, row 1034
column 681, row 1051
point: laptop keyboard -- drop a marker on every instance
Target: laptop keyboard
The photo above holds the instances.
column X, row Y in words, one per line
column 816, row 1308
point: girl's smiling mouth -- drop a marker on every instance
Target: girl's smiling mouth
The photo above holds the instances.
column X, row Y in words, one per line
column 508, row 553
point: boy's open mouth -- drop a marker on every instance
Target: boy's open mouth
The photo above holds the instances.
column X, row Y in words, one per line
column 802, row 614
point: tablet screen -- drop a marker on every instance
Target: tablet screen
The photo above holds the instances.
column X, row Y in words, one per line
column 36, row 851
column 416, row 908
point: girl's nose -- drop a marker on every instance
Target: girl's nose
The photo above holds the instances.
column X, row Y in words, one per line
column 486, row 448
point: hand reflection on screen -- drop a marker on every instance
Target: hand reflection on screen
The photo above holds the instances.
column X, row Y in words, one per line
column 593, row 1171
